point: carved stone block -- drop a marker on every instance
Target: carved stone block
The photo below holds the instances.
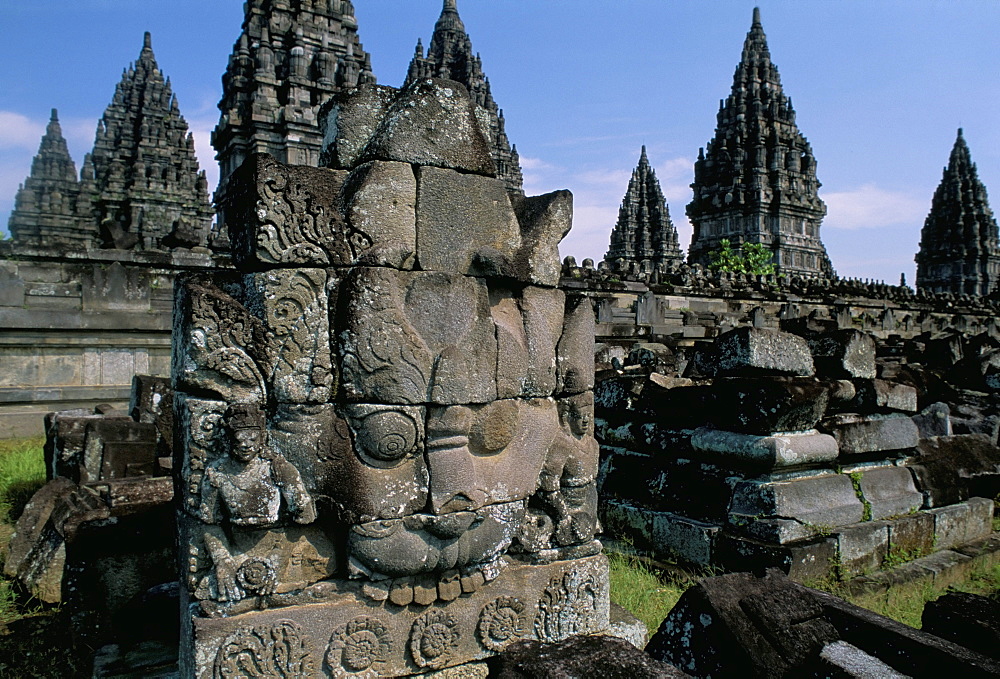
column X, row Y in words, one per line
column 366, row 467
column 292, row 303
column 432, row 122
column 465, row 224
column 332, row 633
column 380, row 200
column 218, row 346
column 416, row 337
column 575, row 351
column 289, row 215
column 528, row 328
column 545, row 221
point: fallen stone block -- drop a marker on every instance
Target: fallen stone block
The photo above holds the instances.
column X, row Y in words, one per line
column 809, row 560
column 881, row 396
column 748, row 351
column 863, row 435
column 934, row 420
column 841, row 659
column 765, row 452
column 844, row 354
column 969, row 620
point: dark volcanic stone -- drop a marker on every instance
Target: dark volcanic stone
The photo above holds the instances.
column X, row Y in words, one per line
column 592, row 657
column 844, row 354
column 967, row 619
column 750, row 351
column 951, row 469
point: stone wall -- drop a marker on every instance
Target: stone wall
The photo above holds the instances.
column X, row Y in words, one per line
column 75, row 327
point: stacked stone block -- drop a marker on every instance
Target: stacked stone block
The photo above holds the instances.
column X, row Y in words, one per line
column 385, row 416
column 821, row 474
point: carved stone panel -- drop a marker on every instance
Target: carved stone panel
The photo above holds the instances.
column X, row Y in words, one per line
column 575, row 352
column 416, row 337
column 369, row 466
column 380, row 200
column 218, row 346
column 289, row 215
column 292, row 303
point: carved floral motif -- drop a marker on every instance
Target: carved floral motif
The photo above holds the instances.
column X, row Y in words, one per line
column 433, row 639
column 359, row 648
column 568, row 606
column 282, row 650
column 501, row 622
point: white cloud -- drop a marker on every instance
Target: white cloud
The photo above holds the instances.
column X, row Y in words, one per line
column 533, row 164
column 202, row 131
column 19, row 132
column 869, row 207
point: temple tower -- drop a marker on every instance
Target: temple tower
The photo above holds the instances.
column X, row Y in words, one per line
column 644, row 233
column 150, row 193
column 450, row 56
column 48, row 210
column 290, row 58
column 959, row 244
column 756, row 182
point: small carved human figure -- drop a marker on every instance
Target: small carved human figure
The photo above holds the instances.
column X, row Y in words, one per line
column 247, row 488
column 566, row 484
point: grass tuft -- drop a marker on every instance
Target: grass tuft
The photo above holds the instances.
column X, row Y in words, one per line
column 646, row 592
column 22, row 472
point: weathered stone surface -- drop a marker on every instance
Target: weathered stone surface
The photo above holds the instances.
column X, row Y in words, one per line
column 809, row 560
column 844, row 660
column 934, row 420
column 545, row 603
column 860, row 435
column 416, row 337
column 969, row 620
column 783, row 511
column 911, row 536
column 29, row 536
column 738, row 624
column 889, row 491
column 292, row 304
column 527, row 328
column 544, row 221
column 626, row 626
column 380, row 201
column 952, row 469
column 765, row 452
column 152, row 402
column 880, row 396
column 862, row 548
column 844, row 354
column 575, row 351
column 751, row 351
column 65, row 437
column 958, row 524
column 584, row 657
column 218, row 345
column 433, row 123
column 666, row 533
column 348, row 122
column 118, row 447
column 289, row 215
column 367, row 466
column 465, row 224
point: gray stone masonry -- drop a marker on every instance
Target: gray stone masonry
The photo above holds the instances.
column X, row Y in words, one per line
column 384, row 432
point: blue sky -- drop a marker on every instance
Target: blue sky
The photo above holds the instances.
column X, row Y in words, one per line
column 879, row 88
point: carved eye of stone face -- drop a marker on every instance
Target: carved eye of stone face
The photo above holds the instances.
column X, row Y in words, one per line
column 386, row 437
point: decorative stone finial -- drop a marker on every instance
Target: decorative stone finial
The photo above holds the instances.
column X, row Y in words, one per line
column 147, row 41
column 756, row 16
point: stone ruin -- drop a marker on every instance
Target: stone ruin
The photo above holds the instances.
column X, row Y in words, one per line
column 808, row 452
column 383, row 419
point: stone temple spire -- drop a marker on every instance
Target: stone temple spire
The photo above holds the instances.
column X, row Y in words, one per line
column 959, row 244
column 644, row 233
column 450, row 56
column 48, row 210
column 150, row 193
column 756, row 182
column 290, row 58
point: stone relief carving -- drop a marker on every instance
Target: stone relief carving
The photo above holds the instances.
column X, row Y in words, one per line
column 433, row 639
column 359, row 648
column 502, row 622
column 282, row 650
column 567, row 607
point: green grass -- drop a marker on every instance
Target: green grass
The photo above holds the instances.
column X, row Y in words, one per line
column 644, row 591
column 649, row 593
column 22, row 472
